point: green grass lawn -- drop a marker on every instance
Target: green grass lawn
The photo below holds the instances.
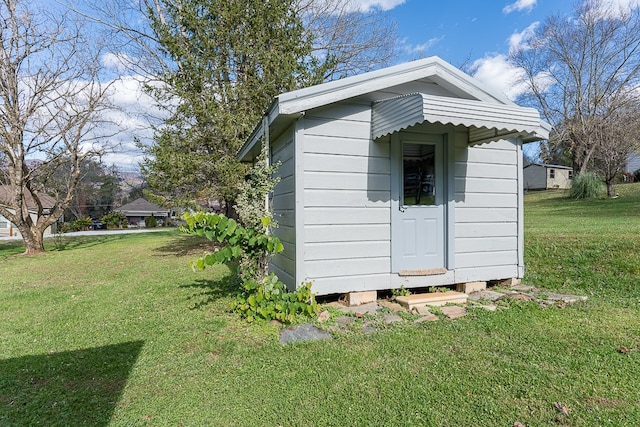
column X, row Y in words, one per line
column 116, row 330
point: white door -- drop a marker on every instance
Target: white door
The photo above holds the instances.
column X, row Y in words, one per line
column 418, row 222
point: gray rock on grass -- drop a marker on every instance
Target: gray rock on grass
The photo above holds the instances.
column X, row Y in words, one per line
column 302, row 333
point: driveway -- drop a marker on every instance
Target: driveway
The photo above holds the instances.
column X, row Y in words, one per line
column 96, row 233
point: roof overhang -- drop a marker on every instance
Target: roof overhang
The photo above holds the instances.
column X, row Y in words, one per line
column 289, row 106
column 144, row 213
column 486, row 121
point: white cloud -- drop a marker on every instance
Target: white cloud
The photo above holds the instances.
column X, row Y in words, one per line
column 519, row 41
column 616, row 8
column 422, row 47
column 498, row 73
column 519, row 6
column 132, row 118
column 368, row 5
column 116, row 61
column 623, row 4
column 357, row 5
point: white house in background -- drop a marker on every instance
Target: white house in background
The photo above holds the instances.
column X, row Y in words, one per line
column 9, row 229
column 410, row 175
column 139, row 209
column 633, row 162
column 547, row 177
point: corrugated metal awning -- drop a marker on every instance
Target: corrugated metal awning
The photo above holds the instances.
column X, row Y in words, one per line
column 486, row 121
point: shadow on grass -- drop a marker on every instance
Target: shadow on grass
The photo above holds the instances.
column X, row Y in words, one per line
column 210, row 291
column 65, row 243
column 185, row 244
column 10, row 248
column 59, row 242
column 72, row 388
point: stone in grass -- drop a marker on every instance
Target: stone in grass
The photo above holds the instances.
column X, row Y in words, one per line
column 345, row 320
column 367, row 329
column 453, row 311
column 486, row 295
column 389, row 318
column 324, row 316
column 303, row 333
column 393, row 306
column 429, row 317
column 565, row 298
column 523, row 288
column 423, row 309
column 517, row 297
column 369, row 308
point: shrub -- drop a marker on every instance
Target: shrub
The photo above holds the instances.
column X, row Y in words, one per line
column 82, row 223
column 114, row 219
column 250, row 246
column 150, row 222
column 269, row 299
column 261, row 296
column 586, row 185
column 259, row 182
column 64, row 227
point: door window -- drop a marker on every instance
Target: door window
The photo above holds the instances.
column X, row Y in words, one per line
column 418, row 174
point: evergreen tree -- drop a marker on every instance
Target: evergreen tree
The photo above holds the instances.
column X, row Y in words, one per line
column 230, row 59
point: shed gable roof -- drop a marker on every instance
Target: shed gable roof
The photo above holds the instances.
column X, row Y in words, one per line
column 140, row 206
column 434, row 68
column 547, row 166
column 287, row 106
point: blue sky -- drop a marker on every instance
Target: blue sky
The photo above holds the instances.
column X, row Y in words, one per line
column 462, row 30
column 476, row 33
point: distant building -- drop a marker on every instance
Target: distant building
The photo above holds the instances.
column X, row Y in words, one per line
column 9, row 229
column 633, row 162
column 539, row 176
column 139, row 209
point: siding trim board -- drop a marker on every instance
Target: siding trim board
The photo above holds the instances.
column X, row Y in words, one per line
column 298, row 143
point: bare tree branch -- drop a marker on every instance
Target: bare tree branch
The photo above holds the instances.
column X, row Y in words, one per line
column 583, row 72
column 51, row 102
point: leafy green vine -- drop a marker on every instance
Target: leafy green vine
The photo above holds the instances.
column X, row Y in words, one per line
column 262, row 296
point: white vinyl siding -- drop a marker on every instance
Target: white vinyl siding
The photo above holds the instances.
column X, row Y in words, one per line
column 535, row 177
column 486, row 210
column 558, row 178
column 633, row 162
column 346, row 201
column 283, row 205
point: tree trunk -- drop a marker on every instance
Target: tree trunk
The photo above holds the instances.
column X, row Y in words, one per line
column 33, row 239
column 610, row 192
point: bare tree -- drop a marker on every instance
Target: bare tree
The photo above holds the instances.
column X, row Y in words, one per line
column 617, row 138
column 348, row 40
column 190, row 156
column 581, row 71
column 51, row 99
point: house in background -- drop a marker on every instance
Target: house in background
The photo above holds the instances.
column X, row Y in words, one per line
column 633, row 162
column 9, row 229
column 547, row 177
column 139, row 209
column 405, row 176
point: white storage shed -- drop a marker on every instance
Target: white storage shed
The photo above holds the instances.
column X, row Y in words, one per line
column 409, row 175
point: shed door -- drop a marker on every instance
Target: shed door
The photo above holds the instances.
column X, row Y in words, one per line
column 418, row 224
